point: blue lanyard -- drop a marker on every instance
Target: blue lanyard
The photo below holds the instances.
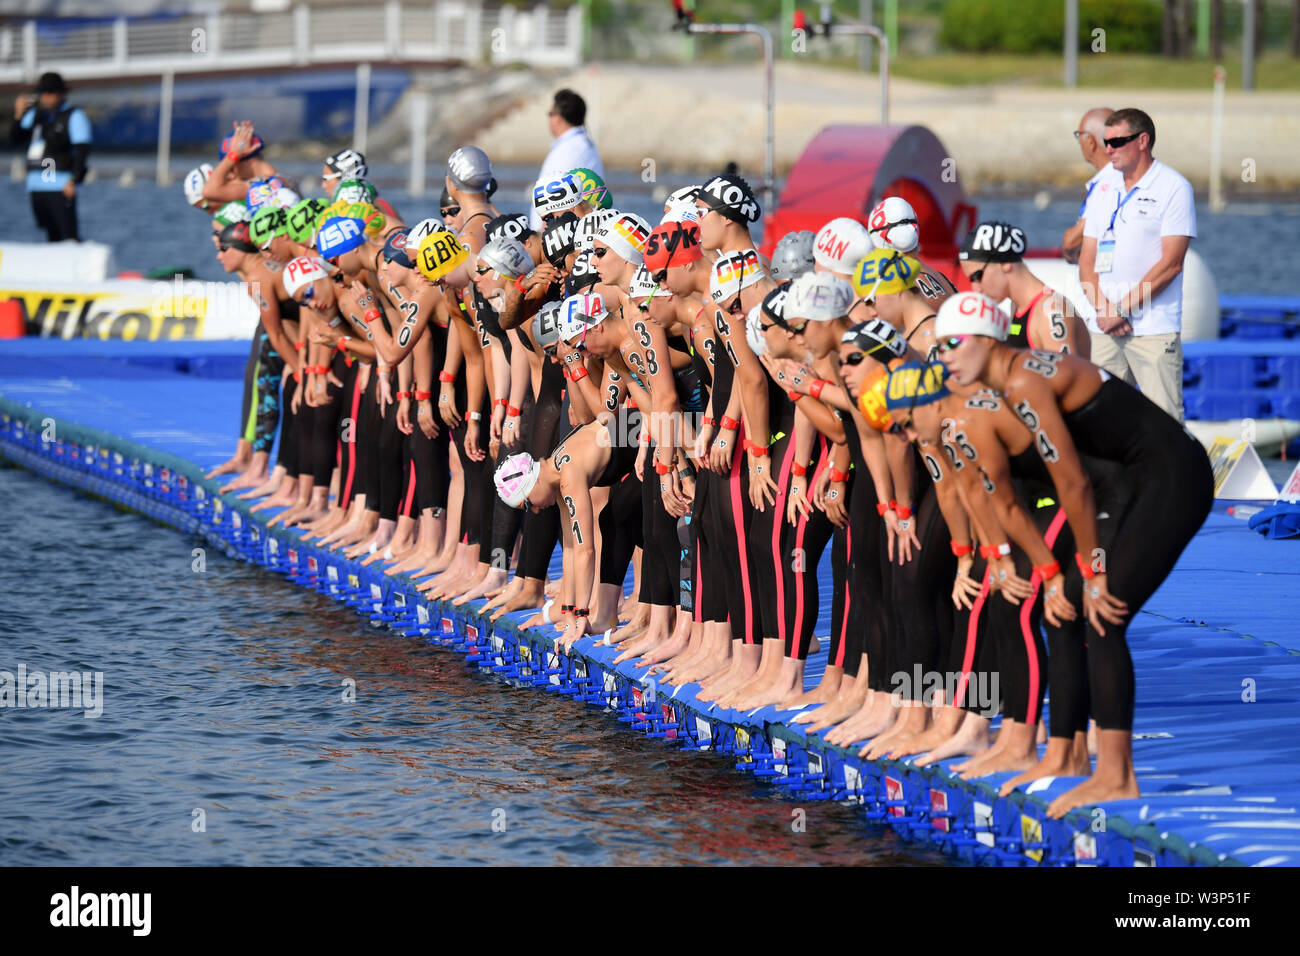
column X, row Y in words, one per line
column 1083, row 206
column 1118, row 207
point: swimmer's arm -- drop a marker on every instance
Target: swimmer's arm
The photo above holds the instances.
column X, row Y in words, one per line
column 422, row 365
column 222, row 186
column 898, row 453
column 876, row 457
column 821, row 418
column 405, row 373
column 805, row 435
column 613, row 391
column 665, row 413
column 520, row 373
column 395, row 348
column 1055, row 328
column 475, row 376
column 1008, row 510
column 948, row 495
column 1032, row 398
column 270, row 310
column 500, row 372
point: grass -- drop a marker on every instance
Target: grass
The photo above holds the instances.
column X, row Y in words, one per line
column 1273, row 71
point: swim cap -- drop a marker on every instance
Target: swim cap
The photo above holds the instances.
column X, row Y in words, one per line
column 515, row 478
column 469, row 169
column 439, row 254
column 793, row 255
column 507, row 226
column 370, row 216
column 733, row 272
column 420, row 231
column 877, row 339
column 195, row 180
column 754, row 330
column 259, row 194
column 235, row 235
column 508, row 257
column 680, row 205
column 818, row 297
column 556, row 195
column 347, row 164
column 301, row 271
column 444, row 199
column 581, row 312
column 994, row 242
column 915, row 383
column 626, row 236
column 270, row 221
column 871, row 400
column 592, row 188
column 557, row 238
column 893, row 223
column 884, row 272
column 233, row 211
column 395, row 250
column 355, row 190
column 773, row 303
column 672, row 244
column 546, row 325
column 302, row 220
column 971, row 313
column 583, row 275
column 339, row 235
column 643, row 285
column 731, row 196
column 589, row 227
column 254, row 146
column 840, row 244
column 283, row 198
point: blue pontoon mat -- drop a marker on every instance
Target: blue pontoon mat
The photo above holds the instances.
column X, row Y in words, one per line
column 1216, row 653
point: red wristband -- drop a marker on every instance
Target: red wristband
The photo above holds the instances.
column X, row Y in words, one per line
column 519, row 284
column 798, row 469
column 578, row 374
column 661, row 468
column 420, row 396
column 729, row 423
column 960, row 550
column 511, row 411
column 402, row 395
column 1046, row 571
column 299, row 345
column 815, row 389
column 1084, row 567
column 501, row 401
column 837, row 476
column 446, row 377
column 881, row 507
column 754, row 448
column 233, row 156
column 707, row 421
column 297, row 378
column 793, row 395
column 902, row 511
column 342, row 344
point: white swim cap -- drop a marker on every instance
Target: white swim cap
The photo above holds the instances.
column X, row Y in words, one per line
column 971, row 313
column 680, row 205
column 841, row 244
column 733, row 272
column 589, row 227
column 581, row 312
column 300, row 272
column 643, row 285
column 556, row 195
column 626, row 236
column 754, row 330
column 818, row 297
column 893, row 224
column 195, row 180
column 515, row 478
column 422, row 229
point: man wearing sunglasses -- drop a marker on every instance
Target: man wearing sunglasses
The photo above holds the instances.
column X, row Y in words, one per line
column 1090, row 135
column 1138, row 227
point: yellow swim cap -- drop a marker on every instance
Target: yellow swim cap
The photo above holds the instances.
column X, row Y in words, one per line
column 884, row 272
column 439, row 254
column 871, row 400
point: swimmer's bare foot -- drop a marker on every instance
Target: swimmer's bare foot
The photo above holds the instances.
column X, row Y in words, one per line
column 529, row 596
column 945, row 725
column 971, row 738
column 877, row 717
column 1062, row 759
column 486, row 579
column 268, row 487
column 237, row 463
column 1113, row 779
column 823, row 693
column 503, row 594
column 249, row 479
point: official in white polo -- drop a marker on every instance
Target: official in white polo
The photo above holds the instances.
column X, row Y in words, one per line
column 1137, row 227
column 572, row 149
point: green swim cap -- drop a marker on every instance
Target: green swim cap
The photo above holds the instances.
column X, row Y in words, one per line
column 302, row 220
column 267, row 224
column 233, row 211
column 355, row 190
column 592, row 188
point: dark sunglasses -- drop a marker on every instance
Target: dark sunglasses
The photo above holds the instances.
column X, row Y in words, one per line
column 854, row 359
column 450, row 211
column 307, row 295
column 222, row 247
column 600, row 253
column 482, row 271
column 797, row 329
column 1115, row 142
column 978, row 274
column 949, row 344
column 736, row 307
column 660, row 277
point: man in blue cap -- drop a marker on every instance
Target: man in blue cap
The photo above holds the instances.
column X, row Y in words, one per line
column 57, row 137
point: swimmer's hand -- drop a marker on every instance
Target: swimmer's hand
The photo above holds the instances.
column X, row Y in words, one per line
column 1056, row 608
column 964, row 587
column 1100, row 605
column 1003, row 577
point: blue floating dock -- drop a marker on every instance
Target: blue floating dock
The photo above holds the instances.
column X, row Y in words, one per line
column 1216, row 650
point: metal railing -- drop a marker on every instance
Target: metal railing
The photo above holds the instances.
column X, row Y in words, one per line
column 453, row 30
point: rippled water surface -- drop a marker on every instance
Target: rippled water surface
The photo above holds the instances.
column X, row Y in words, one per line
column 223, row 692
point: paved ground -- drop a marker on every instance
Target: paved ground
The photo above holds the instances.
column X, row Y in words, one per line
column 705, row 115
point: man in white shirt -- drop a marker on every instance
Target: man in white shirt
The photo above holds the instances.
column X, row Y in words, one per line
column 1089, row 135
column 1137, row 228
column 572, row 149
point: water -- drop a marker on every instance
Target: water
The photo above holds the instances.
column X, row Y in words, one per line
column 223, row 693
column 1244, row 247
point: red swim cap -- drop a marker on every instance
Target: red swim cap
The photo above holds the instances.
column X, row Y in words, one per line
column 672, row 244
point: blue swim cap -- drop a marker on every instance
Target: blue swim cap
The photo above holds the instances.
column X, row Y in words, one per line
column 395, row 250
column 340, row 234
column 914, row 383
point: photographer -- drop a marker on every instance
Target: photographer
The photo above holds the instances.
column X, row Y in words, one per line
column 57, row 137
